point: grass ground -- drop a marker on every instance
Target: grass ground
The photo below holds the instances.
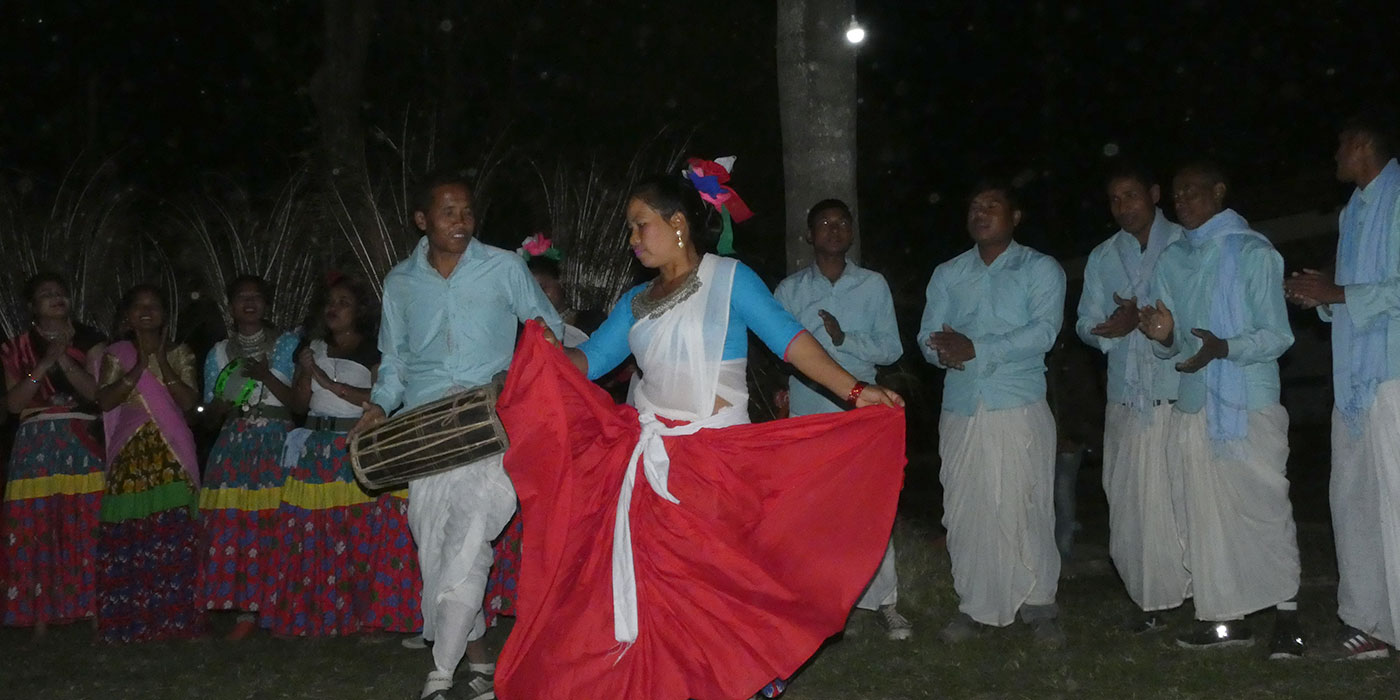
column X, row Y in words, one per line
column 1099, row 662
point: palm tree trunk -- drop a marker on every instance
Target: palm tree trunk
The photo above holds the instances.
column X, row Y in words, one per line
column 817, row 106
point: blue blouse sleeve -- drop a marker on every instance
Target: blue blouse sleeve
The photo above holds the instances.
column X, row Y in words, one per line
column 211, row 373
column 284, row 353
column 751, row 301
column 608, row 347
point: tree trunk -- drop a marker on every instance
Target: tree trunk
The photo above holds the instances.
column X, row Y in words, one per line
column 337, row 92
column 817, row 106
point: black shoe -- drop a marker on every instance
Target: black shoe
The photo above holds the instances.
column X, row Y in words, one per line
column 1216, row 635
column 1288, row 638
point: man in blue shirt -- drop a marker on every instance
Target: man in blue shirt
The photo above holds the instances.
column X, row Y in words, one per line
column 990, row 317
column 1143, row 539
column 1363, row 305
column 450, row 315
column 1220, row 307
column 848, row 309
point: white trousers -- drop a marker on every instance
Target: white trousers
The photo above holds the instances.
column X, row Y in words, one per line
column 998, row 507
column 454, row 517
column 1241, row 543
column 1365, row 498
column 1147, row 546
column 884, row 587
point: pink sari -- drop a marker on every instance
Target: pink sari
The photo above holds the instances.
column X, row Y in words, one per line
column 122, row 422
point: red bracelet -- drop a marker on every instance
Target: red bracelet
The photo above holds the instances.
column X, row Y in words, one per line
column 855, row 392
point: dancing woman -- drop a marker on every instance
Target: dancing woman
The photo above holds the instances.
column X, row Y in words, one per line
column 742, row 547
column 345, row 559
column 247, row 382
column 55, row 472
column 148, row 544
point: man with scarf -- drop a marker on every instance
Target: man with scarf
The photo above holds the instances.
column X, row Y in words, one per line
column 992, row 313
column 1362, row 304
column 1143, row 537
column 1220, row 307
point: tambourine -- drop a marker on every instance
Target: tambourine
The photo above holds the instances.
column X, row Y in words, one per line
column 234, row 386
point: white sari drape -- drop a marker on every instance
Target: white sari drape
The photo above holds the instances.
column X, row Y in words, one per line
column 680, row 354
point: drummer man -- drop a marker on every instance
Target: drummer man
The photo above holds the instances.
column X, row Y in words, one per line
column 450, row 316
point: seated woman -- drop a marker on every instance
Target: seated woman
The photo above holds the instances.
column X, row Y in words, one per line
column 148, row 542
column 345, row 560
column 742, row 547
column 55, row 480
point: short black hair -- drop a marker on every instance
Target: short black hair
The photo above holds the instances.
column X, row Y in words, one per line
column 423, row 193
column 825, row 204
column 264, row 287
column 996, row 184
column 1124, row 169
column 1377, row 127
column 32, row 285
column 540, row 265
column 668, row 194
column 1207, row 167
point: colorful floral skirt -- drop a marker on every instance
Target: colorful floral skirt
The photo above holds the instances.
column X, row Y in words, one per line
column 148, row 546
column 339, row 567
column 48, row 522
column 242, row 491
column 505, row 572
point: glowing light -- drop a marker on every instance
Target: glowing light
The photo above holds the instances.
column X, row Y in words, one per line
column 855, row 34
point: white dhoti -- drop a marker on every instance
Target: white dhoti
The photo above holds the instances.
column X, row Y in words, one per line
column 884, row 588
column 998, row 507
column 1365, row 499
column 1146, row 545
column 1241, row 543
column 454, row 517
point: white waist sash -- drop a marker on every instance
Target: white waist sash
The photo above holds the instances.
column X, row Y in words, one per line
column 656, row 464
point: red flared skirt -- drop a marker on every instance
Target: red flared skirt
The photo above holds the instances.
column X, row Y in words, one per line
column 779, row 528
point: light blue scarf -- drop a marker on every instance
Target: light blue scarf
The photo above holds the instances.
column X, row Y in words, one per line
column 1359, row 358
column 1227, row 395
column 1139, row 373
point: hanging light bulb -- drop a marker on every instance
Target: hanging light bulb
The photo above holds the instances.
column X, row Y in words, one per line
column 855, row 34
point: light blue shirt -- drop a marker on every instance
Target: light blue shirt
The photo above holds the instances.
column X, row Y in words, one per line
column 1367, row 302
column 861, row 303
column 1011, row 310
column 1104, row 276
column 1186, row 279
column 439, row 335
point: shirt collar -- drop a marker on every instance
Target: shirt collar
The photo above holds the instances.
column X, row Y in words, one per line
column 846, row 272
column 1373, row 187
column 420, row 255
column 1002, row 260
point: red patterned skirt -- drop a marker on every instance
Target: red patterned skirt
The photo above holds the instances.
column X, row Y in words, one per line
column 48, row 522
column 239, row 502
column 148, row 546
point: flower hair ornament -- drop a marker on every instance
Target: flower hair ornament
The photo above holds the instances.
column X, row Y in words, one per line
column 539, row 246
column 708, row 178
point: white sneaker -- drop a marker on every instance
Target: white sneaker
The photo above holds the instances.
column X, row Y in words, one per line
column 897, row 627
column 436, row 687
column 480, row 687
column 415, row 642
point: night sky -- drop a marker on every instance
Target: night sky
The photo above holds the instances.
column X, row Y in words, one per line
column 948, row 91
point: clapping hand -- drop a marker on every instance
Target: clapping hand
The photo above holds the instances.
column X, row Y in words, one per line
column 1212, row 348
column 833, row 327
column 1122, row 321
column 1156, row 322
column 1311, row 288
column 954, row 349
